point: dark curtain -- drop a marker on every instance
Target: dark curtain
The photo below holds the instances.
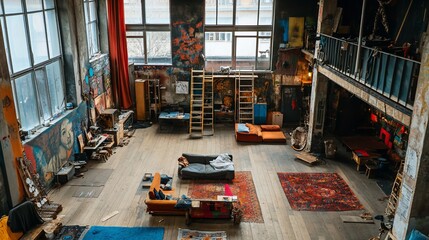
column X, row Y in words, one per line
column 118, row 53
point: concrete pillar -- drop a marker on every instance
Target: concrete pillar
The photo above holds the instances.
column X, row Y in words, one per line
column 413, row 208
column 319, row 92
column 10, row 142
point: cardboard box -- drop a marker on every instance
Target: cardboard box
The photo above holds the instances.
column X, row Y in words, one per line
column 65, row 174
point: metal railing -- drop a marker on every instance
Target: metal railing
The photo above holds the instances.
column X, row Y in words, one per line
column 393, row 76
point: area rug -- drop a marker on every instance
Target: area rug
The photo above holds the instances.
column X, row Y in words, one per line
column 241, row 186
column 122, row 233
column 318, row 192
column 70, row 232
column 187, row 234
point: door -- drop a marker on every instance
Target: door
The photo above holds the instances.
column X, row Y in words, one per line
column 291, row 104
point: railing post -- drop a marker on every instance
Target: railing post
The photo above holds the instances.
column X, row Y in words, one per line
column 357, row 66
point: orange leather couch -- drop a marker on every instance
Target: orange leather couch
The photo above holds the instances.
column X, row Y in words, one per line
column 161, row 207
column 5, row 232
column 260, row 133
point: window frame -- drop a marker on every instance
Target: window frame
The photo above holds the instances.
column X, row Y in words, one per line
column 234, row 29
column 144, row 28
column 95, row 23
column 35, row 67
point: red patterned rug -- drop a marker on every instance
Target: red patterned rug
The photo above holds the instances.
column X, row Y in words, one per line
column 242, row 186
column 318, row 192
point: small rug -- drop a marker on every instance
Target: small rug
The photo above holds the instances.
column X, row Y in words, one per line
column 318, row 192
column 122, row 233
column 241, row 186
column 72, row 232
column 87, row 192
column 187, row 234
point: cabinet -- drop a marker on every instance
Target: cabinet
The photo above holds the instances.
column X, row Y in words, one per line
column 260, row 113
column 154, row 98
column 276, row 118
column 142, row 100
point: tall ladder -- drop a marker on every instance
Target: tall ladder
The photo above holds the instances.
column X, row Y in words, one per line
column 396, row 191
column 208, row 109
column 196, row 104
column 244, row 84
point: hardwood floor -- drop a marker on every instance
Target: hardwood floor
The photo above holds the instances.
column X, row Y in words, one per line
column 152, row 151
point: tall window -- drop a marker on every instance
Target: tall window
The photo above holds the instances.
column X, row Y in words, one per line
column 148, row 31
column 238, row 33
column 91, row 20
column 31, row 37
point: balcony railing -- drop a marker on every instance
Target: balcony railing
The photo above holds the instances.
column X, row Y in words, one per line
column 393, row 76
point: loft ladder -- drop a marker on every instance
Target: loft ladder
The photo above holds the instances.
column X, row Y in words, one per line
column 196, row 104
column 244, row 84
column 396, row 191
column 208, row 108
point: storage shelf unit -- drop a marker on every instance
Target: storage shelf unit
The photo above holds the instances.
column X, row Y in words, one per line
column 245, row 97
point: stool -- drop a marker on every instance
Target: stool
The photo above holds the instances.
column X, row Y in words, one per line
column 371, row 166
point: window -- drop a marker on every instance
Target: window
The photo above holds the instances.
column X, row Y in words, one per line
column 148, row 31
column 31, row 37
column 238, row 33
column 90, row 10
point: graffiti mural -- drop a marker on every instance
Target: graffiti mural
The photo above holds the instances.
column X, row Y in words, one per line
column 54, row 147
column 187, row 34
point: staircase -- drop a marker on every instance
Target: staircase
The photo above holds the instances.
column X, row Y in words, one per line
column 396, row 191
column 244, row 86
column 208, row 111
column 196, row 104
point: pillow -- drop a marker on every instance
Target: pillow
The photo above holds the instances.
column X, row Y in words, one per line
column 270, row 128
column 183, row 161
column 161, row 195
column 242, row 128
column 165, row 178
column 252, row 128
column 156, row 193
column 183, row 203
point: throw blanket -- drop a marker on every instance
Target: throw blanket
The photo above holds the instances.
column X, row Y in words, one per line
column 222, row 161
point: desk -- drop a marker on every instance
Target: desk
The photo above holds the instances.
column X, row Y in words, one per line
column 364, row 148
column 173, row 117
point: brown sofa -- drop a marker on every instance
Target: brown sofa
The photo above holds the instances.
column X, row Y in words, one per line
column 161, row 207
column 260, row 133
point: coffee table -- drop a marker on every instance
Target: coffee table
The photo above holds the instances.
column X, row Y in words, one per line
column 173, row 118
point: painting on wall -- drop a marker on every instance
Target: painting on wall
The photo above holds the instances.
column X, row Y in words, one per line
column 187, row 34
column 296, row 32
column 224, row 90
column 54, row 147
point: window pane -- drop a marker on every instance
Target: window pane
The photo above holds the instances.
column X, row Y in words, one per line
column 245, row 33
column 225, row 11
column 56, row 88
column 33, row 5
column 133, row 12
column 5, row 42
column 52, row 30
column 49, row 4
column 266, row 12
column 1, row 9
column 246, row 13
column 43, row 93
column 92, row 11
column 210, row 17
column 36, row 26
column 245, row 52
column 12, row 6
column 91, row 31
column 264, row 54
column 135, row 48
column 218, row 51
column 159, row 47
column 27, row 104
column 157, row 12
column 19, row 56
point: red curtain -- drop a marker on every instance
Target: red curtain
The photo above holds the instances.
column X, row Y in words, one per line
column 118, row 53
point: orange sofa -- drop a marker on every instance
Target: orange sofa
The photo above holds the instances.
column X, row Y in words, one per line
column 260, row 133
column 161, row 207
column 5, row 232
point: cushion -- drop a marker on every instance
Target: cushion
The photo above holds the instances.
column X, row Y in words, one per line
column 165, row 178
column 183, row 202
column 195, row 167
column 271, row 136
column 161, row 195
column 156, row 193
column 252, row 128
column 242, row 128
column 270, row 128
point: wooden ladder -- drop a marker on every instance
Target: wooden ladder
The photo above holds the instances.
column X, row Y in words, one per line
column 196, row 104
column 208, row 109
column 396, row 191
column 244, row 84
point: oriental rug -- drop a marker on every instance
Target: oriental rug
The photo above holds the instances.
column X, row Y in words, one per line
column 70, row 232
column 241, row 186
column 318, row 192
column 187, row 234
